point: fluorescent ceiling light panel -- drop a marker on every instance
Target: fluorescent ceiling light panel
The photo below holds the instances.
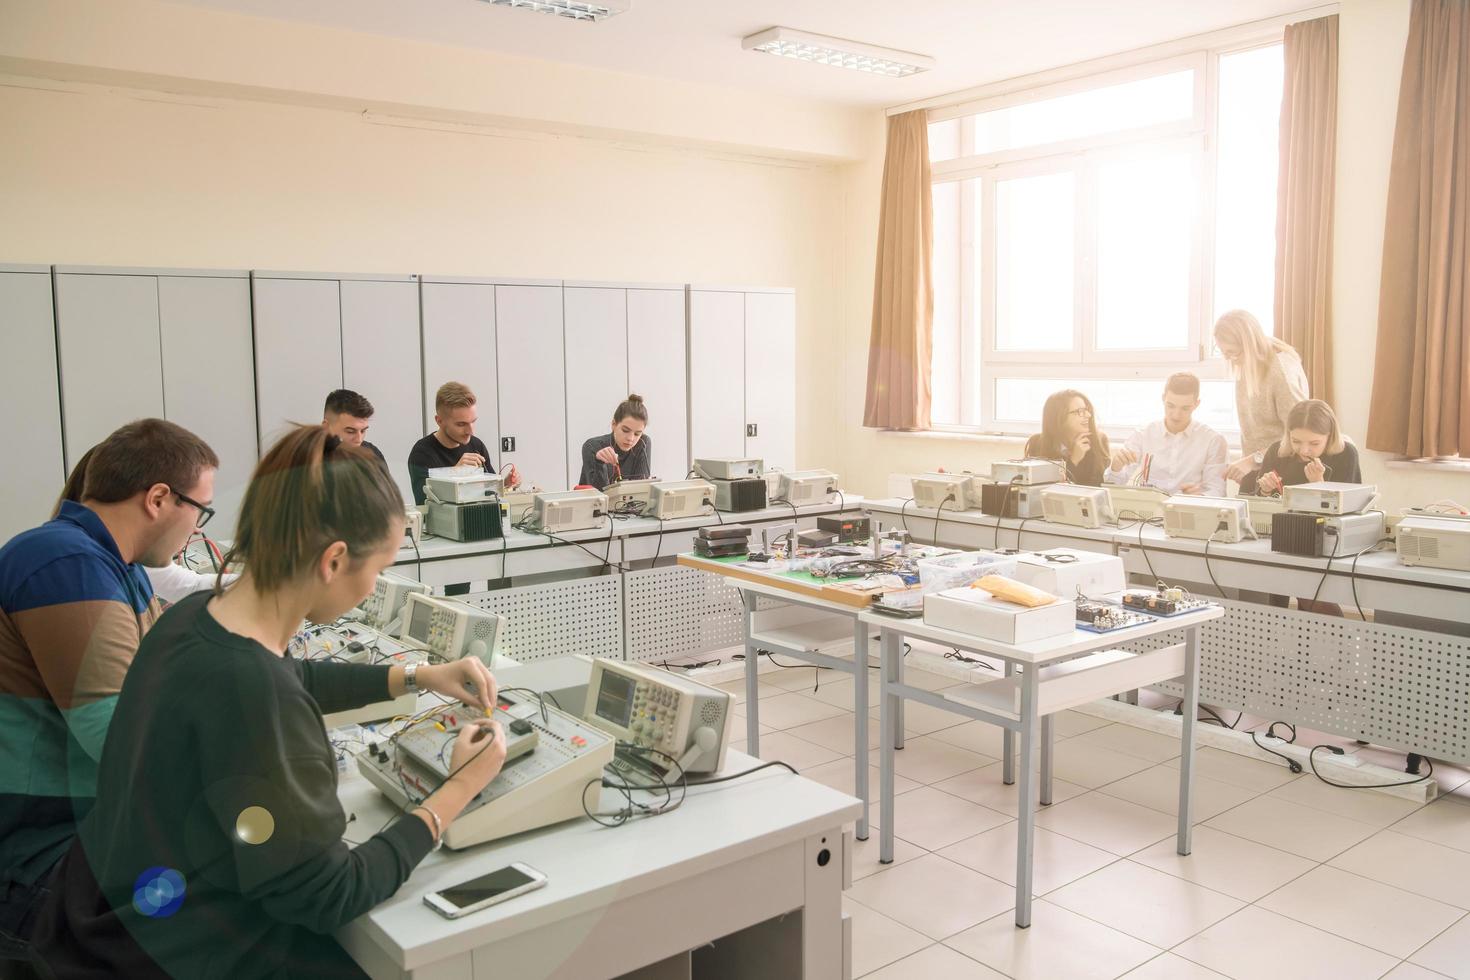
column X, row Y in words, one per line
column 839, row 52
column 575, row 9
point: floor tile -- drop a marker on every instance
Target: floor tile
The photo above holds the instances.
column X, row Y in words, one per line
column 839, row 775
column 1418, row 866
column 1313, row 834
column 977, row 736
column 1167, row 966
column 1238, row 770
column 1445, row 821
column 1158, row 789
column 1112, row 824
column 788, row 748
column 1254, row 944
column 865, row 855
column 1225, row 863
column 1153, row 746
column 802, row 678
column 936, row 963
column 1144, row 903
column 840, row 693
column 737, row 724
column 925, row 718
column 929, row 681
column 790, row 710
column 1364, row 806
column 1449, row 952
column 1058, row 944
column 936, row 897
column 1090, row 765
column 986, row 787
column 1069, row 723
column 1057, row 860
column 932, row 819
column 877, row 940
column 1385, row 918
column 1408, row 971
column 929, row 760
column 835, row 733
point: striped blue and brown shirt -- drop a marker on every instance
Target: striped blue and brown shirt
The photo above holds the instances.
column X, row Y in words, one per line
column 72, row 614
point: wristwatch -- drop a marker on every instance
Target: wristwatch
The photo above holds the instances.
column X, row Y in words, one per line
column 1259, row 456
column 410, row 680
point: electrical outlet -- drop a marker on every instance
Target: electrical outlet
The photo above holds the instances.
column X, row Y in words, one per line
column 750, row 428
column 507, row 444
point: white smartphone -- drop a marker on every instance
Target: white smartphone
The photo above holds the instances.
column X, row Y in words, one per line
column 485, row 891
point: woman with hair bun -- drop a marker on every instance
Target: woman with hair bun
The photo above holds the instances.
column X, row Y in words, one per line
column 625, row 453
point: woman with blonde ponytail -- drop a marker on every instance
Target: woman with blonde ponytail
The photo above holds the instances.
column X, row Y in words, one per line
column 214, row 847
column 1269, row 382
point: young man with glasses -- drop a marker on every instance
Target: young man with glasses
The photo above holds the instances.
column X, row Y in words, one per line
column 74, row 605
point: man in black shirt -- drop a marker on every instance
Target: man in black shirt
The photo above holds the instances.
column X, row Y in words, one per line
column 347, row 415
column 454, row 442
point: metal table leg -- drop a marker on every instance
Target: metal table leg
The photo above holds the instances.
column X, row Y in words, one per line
column 860, row 726
column 752, row 679
column 1048, row 735
column 890, row 646
column 1026, row 804
column 1186, row 743
column 1008, row 744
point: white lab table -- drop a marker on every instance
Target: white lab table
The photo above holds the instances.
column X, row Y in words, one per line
column 733, row 856
column 1034, row 688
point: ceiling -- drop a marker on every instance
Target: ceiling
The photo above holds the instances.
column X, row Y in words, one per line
column 974, row 41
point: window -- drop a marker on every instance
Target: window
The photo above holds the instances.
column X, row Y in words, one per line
column 1088, row 233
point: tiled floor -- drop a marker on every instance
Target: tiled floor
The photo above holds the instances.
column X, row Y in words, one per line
column 1289, row 878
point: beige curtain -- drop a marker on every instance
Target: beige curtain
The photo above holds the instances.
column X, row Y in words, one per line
column 899, row 352
column 1304, row 198
column 1421, row 378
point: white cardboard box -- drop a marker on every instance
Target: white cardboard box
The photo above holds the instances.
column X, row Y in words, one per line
column 1064, row 572
column 978, row 613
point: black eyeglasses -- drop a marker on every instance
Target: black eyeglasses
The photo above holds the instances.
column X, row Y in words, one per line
column 205, row 513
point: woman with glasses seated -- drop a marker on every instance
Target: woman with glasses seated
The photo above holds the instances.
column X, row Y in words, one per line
column 1069, row 435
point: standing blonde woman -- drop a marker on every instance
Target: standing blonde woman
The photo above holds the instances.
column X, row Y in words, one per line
column 1269, row 382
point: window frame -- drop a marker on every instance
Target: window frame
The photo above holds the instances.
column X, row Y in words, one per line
column 981, row 364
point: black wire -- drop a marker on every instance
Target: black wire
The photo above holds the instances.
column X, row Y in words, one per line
column 902, row 519
column 741, row 775
column 660, row 546
column 782, row 500
column 1326, row 569
column 1020, row 530
column 841, row 502
column 1151, row 573
column 1291, row 763
column 1353, row 577
column 1209, row 571
column 948, row 497
column 540, row 697
column 1312, row 759
column 608, row 552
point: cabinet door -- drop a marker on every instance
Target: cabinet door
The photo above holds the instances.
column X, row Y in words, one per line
column 298, row 351
column 597, row 364
column 716, row 374
column 30, row 401
column 532, row 389
column 656, row 370
column 380, row 360
column 209, row 378
column 459, row 345
column 770, row 378
column 111, row 366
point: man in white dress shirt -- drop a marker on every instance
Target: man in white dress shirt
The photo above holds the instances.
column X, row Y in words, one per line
column 1178, row 454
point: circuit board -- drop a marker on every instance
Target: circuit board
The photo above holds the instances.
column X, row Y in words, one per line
column 1106, row 617
column 1162, row 605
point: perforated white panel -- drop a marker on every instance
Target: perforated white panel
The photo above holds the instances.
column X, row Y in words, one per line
column 1404, row 688
column 676, row 612
column 560, row 619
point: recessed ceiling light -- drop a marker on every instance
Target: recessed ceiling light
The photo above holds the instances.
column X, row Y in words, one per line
column 839, row 52
column 575, row 9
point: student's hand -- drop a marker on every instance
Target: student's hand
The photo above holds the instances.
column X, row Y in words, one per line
column 478, row 753
column 467, row 680
column 1081, row 446
column 1268, row 483
column 1315, row 471
column 1242, row 467
column 512, row 476
column 471, row 460
column 1123, row 456
column 608, row 455
column 1193, row 489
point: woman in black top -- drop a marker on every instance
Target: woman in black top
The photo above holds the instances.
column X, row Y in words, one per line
column 214, row 847
column 623, row 454
column 1312, row 451
column 1069, row 435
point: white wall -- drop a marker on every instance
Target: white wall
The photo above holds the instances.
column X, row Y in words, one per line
column 1372, row 35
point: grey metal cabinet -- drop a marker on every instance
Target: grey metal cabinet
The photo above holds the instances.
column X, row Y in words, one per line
column 209, row 377
column 459, row 345
column 531, row 390
column 596, row 364
column 110, row 353
column 716, row 373
column 770, row 377
column 380, row 360
column 298, row 348
column 30, row 399
column 656, row 370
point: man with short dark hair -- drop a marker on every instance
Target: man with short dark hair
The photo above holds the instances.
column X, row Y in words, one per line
column 347, row 415
column 74, row 605
column 453, row 442
column 1178, row 454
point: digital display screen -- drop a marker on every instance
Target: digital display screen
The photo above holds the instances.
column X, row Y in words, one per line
column 486, row 886
column 615, row 699
column 418, row 623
